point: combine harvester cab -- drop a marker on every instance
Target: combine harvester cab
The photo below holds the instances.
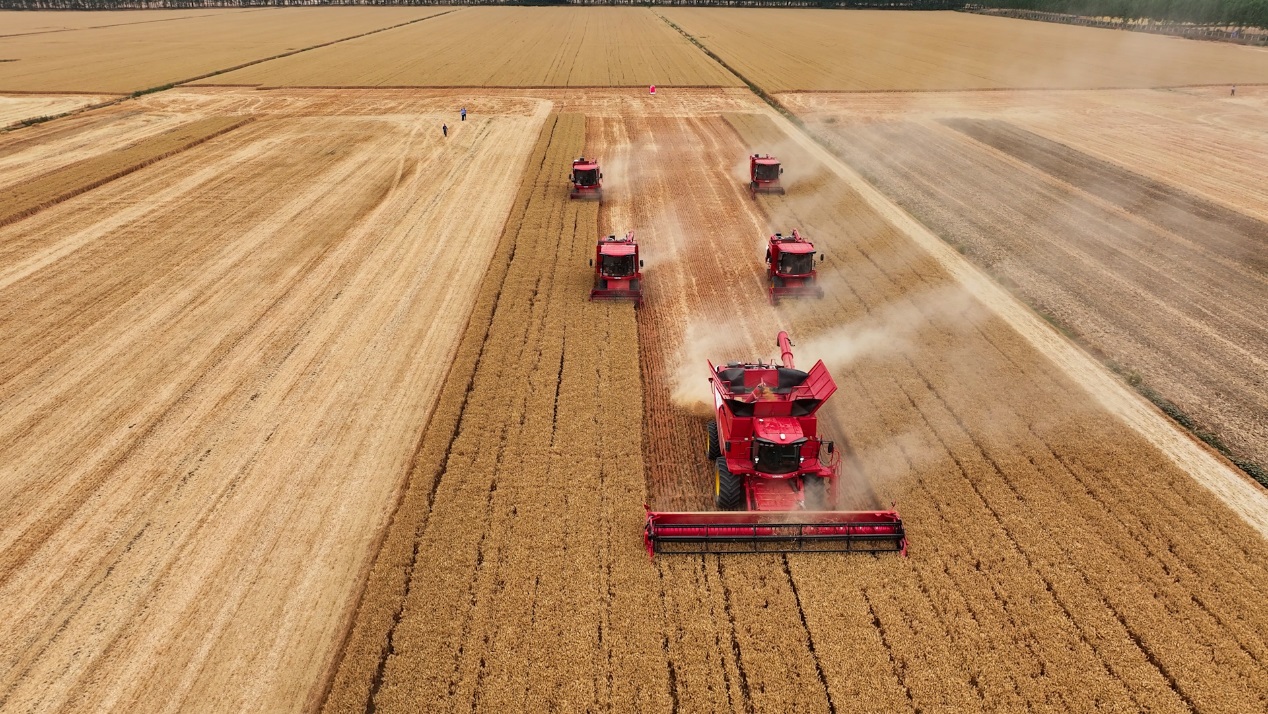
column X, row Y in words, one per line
column 587, row 179
column 763, row 175
column 790, row 270
column 618, row 271
column 771, row 464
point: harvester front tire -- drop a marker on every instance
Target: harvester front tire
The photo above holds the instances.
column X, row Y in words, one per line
column 729, row 488
column 816, row 492
column 714, row 448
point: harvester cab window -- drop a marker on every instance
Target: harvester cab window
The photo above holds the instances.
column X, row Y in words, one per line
column 618, row 265
column 796, row 263
column 586, row 177
column 772, row 458
column 767, row 172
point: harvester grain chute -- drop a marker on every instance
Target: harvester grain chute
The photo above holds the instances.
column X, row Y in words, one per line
column 618, row 271
column 763, row 175
column 586, row 178
column 771, row 464
column 790, row 271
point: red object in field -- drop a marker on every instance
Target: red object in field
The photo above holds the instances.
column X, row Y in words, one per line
column 790, row 267
column 770, row 462
column 618, row 271
column 763, row 175
column 652, row 90
column 586, row 178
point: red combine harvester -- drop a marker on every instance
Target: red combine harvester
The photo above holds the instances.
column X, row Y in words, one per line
column 587, row 180
column 763, row 175
column 617, row 270
column 770, row 462
column 790, row 262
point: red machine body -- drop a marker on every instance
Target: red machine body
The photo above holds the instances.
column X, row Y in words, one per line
column 586, row 178
column 618, row 273
column 790, row 270
column 770, row 461
column 763, row 175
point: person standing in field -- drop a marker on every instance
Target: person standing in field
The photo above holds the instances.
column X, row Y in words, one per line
column 463, row 113
column 1233, row 93
column 444, row 129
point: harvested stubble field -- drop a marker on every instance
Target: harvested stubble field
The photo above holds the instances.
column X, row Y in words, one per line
column 215, row 374
column 1198, row 139
column 133, row 57
column 1152, row 275
column 504, row 47
column 862, row 50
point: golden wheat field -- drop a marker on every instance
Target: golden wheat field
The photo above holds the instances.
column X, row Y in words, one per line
column 42, row 22
column 865, row 50
column 504, row 47
column 124, row 58
column 306, row 407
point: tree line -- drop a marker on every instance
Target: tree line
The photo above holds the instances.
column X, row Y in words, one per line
column 1235, row 13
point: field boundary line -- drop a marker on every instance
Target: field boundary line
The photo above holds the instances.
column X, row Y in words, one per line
column 1229, row 484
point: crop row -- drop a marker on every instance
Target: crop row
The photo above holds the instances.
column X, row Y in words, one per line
column 512, row 573
column 21, row 200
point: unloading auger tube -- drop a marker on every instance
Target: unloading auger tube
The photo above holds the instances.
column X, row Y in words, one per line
column 775, row 494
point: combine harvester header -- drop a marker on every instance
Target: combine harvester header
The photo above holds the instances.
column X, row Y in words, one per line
column 770, row 462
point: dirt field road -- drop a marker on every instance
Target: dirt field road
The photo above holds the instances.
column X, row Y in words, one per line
column 216, row 372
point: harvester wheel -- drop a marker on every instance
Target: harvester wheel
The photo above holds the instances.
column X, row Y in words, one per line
column 728, row 488
column 816, row 492
column 714, row 449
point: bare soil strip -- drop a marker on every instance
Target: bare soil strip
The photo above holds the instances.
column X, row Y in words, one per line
column 1230, row 485
column 1099, row 250
column 1224, row 233
column 34, row 194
